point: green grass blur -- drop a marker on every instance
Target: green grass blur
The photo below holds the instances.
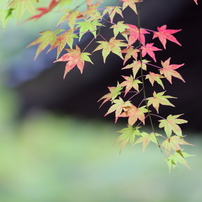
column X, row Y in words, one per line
column 47, row 158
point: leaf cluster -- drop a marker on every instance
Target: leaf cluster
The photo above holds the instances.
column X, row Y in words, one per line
column 128, row 41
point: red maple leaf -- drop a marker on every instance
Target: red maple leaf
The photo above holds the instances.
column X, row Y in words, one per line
column 166, row 34
column 135, row 34
column 44, row 10
column 75, row 58
column 196, row 1
column 149, row 49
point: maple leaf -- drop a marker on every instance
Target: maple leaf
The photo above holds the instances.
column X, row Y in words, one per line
column 129, row 83
column 178, row 156
column 131, row 4
column 170, row 124
column 136, row 65
column 133, row 113
column 63, row 39
column 166, row 34
column 168, row 70
column 5, row 15
column 128, row 135
column 173, row 143
column 196, row 2
column 118, row 28
column 118, row 106
column 112, row 10
column 88, row 25
column 155, row 77
column 92, row 11
column 112, row 46
column 149, row 49
column 47, row 37
column 44, row 10
column 130, row 52
column 159, row 98
column 135, row 34
column 114, row 92
column 69, row 16
column 146, row 138
column 21, row 6
column 75, row 58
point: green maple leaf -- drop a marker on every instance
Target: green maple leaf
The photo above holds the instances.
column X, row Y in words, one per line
column 146, row 138
column 136, row 65
column 88, row 25
column 155, row 77
column 5, row 15
column 159, row 98
column 129, row 83
column 118, row 28
column 168, row 70
column 112, row 46
column 75, row 58
column 112, row 11
column 21, row 6
column 118, row 106
column 128, row 135
column 170, row 124
column 178, row 156
column 114, row 92
column 173, row 143
column 47, row 37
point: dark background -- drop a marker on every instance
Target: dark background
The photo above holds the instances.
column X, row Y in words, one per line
column 78, row 94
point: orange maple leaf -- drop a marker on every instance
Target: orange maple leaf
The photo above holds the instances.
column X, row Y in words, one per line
column 133, row 113
column 130, row 51
column 168, row 70
column 166, row 34
column 75, row 58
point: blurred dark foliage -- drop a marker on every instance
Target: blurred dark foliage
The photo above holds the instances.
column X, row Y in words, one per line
column 78, row 94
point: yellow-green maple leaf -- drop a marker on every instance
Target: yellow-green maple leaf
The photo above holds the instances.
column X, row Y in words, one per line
column 113, row 93
column 173, row 143
column 112, row 46
column 170, row 124
column 159, row 98
column 128, row 135
column 47, row 37
column 118, row 106
column 129, row 83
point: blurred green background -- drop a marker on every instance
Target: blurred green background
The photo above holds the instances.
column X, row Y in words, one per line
column 49, row 158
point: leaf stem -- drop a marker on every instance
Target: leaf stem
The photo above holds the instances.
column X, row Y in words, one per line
column 142, row 77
